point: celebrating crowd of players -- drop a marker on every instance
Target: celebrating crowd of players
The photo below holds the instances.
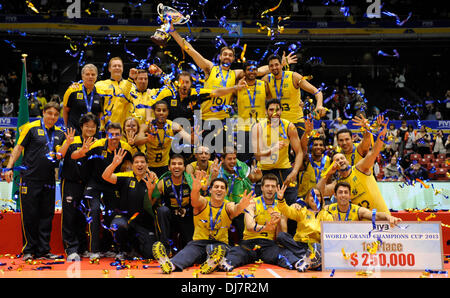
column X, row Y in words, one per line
column 172, row 174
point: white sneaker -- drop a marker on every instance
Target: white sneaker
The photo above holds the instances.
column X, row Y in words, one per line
column 94, row 256
column 73, row 257
column 302, row 264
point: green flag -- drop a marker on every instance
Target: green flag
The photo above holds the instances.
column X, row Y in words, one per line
column 22, row 119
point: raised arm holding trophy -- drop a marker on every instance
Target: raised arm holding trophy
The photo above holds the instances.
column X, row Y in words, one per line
column 167, row 15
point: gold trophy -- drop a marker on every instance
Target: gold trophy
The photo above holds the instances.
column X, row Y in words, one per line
column 167, row 13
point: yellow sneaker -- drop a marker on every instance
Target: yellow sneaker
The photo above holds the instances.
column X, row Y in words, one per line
column 213, row 260
column 159, row 252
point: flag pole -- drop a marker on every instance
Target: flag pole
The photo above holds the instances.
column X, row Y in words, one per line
column 22, row 119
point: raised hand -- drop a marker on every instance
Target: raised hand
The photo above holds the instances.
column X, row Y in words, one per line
column 280, row 191
column 247, row 199
column 215, row 168
column 87, row 143
column 70, row 135
column 197, row 180
column 361, row 121
column 118, row 156
column 131, row 137
column 242, row 84
column 150, row 179
column 291, row 58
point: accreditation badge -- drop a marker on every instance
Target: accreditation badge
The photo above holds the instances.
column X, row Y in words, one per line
column 80, row 96
column 132, row 184
column 23, row 190
column 40, row 132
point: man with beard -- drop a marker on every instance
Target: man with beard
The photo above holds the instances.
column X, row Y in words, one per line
column 133, row 224
column 212, row 219
column 250, row 103
column 271, row 139
column 285, row 86
column 216, row 111
column 175, row 213
column 263, row 221
column 365, row 191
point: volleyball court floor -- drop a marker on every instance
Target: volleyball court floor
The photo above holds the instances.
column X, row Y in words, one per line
column 12, row 267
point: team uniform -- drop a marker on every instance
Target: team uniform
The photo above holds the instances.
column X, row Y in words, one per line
column 37, row 184
column 250, row 103
column 308, row 229
column 353, row 157
column 290, row 98
column 215, row 111
column 210, row 230
column 238, row 182
column 310, row 176
column 80, row 102
column 278, row 163
column 74, row 176
column 134, row 222
column 352, row 213
column 175, row 213
column 261, row 245
column 158, row 152
column 99, row 158
column 142, row 102
column 365, row 191
column 118, row 104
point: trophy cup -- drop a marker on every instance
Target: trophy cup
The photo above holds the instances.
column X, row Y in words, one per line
column 167, row 13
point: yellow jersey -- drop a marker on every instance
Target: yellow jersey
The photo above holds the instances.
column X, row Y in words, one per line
column 350, row 215
column 159, row 150
column 118, row 100
column 251, row 105
column 280, row 159
column 212, row 223
column 218, row 78
column 308, row 222
column 141, row 103
column 365, row 191
column 208, row 169
column 289, row 96
column 352, row 157
column 262, row 216
column 309, row 177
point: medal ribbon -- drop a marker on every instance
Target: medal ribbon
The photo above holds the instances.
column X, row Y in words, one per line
column 346, row 215
column 91, row 100
column 223, row 82
column 212, row 223
column 280, row 92
column 50, row 140
column 178, row 196
column 317, row 169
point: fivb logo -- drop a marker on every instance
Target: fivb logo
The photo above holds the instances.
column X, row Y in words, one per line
column 74, row 9
column 374, row 9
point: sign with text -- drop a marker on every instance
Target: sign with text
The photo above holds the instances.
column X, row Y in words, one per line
column 358, row 246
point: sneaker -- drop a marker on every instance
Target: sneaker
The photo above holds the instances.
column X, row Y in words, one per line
column 94, row 256
column 73, row 257
column 85, row 254
column 120, row 256
column 27, row 257
column 302, row 265
column 225, row 266
column 159, row 252
column 213, row 260
column 108, row 254
column 50, row 256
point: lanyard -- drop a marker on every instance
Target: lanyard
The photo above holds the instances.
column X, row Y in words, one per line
column 212, row 223
column 346, row 215
column 252, row 99
column 178, row 196
column 353, row 155
column 223, row 82
column 264, row 203
column 233, row 176
column 51, row 140
column 317, row 169
column 279, row 93
column 91, row 100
